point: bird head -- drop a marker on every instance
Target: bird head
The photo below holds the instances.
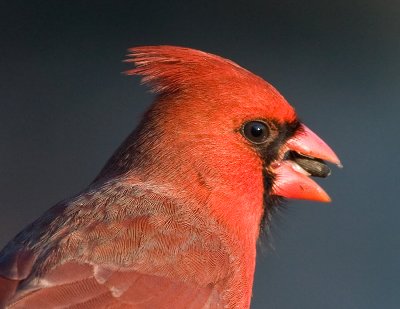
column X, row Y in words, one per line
column 222, row 130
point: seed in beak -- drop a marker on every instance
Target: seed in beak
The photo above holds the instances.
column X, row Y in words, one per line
column 316, row 167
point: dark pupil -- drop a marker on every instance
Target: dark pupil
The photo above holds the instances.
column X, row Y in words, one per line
column 257, row 130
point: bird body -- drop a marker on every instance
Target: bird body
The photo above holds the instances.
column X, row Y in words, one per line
column 172, row 220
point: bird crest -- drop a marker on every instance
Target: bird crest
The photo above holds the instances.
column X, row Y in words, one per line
column 172, row 68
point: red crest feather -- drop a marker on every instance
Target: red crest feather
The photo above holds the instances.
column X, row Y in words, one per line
column 169, row 68
column 172, row 69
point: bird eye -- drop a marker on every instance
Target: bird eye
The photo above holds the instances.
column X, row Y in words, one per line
column 256, row 132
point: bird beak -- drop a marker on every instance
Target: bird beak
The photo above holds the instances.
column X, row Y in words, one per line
column 292, row 175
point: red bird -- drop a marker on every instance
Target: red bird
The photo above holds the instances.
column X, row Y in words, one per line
column 173, row 219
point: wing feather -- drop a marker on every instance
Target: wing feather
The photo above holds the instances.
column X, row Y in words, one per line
column 121, row 247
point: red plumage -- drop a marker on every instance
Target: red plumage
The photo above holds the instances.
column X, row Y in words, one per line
column 173, row 218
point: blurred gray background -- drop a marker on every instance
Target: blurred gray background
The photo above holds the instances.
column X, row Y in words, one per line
column 65, row 107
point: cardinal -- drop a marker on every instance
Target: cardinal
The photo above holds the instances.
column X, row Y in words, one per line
column 173, row 219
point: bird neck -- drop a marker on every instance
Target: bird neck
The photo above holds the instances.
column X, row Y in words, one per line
column 224, row 194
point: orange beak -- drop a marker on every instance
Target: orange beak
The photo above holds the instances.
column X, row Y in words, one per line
column 291, row 179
